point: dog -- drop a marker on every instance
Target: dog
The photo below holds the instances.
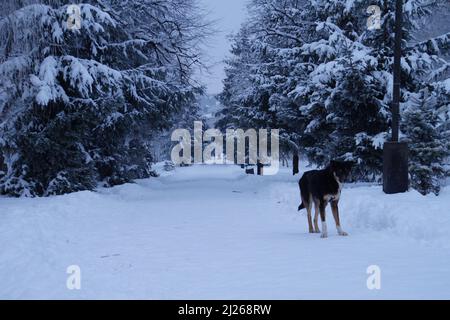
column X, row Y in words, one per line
column 322, row 187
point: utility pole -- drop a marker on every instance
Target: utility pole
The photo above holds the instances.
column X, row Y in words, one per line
column 395, row 153
column 397, row 71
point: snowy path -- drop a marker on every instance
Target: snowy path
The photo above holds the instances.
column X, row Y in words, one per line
column 211, row 232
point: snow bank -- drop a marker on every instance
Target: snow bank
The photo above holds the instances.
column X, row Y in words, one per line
column 365, row 208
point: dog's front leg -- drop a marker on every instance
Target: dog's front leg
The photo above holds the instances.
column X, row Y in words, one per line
column 322, row 206
column 335, row 210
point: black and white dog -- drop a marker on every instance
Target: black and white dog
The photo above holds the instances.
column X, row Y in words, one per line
column 322, row 187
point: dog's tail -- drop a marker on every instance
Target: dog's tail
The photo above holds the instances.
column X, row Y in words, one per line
column 304, row 193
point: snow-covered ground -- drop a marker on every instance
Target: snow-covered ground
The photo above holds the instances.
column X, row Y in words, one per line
column 211, row 232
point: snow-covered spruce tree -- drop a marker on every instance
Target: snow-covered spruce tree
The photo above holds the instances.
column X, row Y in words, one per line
column 281, row 29
column 342, row 27
column 79, row 106
column 426, row 121
column 357, row 116
column 428, row 143
column 265, row 66
column 237, row 95
column 341, row 99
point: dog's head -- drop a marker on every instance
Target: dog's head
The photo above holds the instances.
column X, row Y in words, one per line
column 341, row 169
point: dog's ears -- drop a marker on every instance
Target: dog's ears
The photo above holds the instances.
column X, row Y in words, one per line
column 334, row 165
column 350, row 164
column 347, row 164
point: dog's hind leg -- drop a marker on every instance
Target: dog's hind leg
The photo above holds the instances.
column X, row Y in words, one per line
column 335, row 210
column 308, row 206
column 322, row 206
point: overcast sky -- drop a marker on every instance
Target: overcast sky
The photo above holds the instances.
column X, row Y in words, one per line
column 229, row 15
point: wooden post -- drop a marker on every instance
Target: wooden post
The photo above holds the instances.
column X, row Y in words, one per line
column 259, row 168
column 295, row 164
